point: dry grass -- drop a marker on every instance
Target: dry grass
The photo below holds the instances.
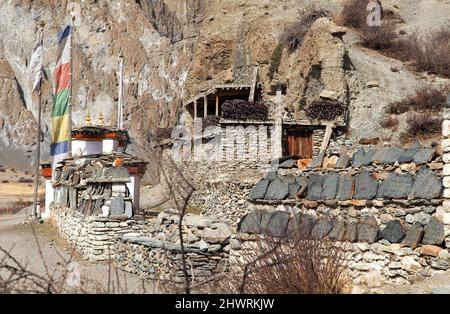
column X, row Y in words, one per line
column 293, row 33
column 379, row 37
column 423, row 124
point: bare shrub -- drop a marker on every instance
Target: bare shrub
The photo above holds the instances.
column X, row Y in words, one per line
column 271, row 265
column 275, row 60
column 425, row 99
column 430, row 51
column 325, row 109
column 354, row 13
column 379, row 37
column 14, row 207
column 244, row 110
column 389, row 122
column 210, row 121
column 423, row 124
column 163, row 134
column 293, row 33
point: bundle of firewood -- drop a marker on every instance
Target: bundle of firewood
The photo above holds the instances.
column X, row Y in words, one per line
column 238, row 109
column 324, row 109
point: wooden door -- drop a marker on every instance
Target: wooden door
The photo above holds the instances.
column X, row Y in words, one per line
column 300, row 144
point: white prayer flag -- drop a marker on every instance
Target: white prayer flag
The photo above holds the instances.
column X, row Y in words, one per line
column 36, row 64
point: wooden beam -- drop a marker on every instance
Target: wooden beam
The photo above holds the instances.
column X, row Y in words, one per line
column 205, row 106
column 251, row 97
column 195, row 109
column 326, row 138
column 217, row 105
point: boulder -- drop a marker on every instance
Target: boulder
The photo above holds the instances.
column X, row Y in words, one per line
column 314, row 187
column 329, row 186
column 413, row 236
column 219, row 233
column 346, row 188
column 321, row 229
column 434, row 232
column 351, row 233
column 259, row 190
column 277, row 190
column 278, row 224
column 427, row 184
column 396, row 186
column 424, row 155
column 366, row 187
column 393, row 232
column 250, row 223
column 368, row 230
column 338, row 231
column 430, row 250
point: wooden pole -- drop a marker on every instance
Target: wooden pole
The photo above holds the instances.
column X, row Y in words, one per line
column 195, row 109
column 205, row 106
column 37, row 213
column 217, row 105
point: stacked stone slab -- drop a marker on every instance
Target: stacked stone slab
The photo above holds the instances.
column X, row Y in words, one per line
column 446, row 173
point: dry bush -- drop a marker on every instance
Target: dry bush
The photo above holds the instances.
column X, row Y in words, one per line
column 389, row 122
column 325, row 109
column 14, row 207
column 275, row 60
column 425, row 99
column 354, row 13
column 293, row 34
column 430, row 52
column 301, row 267
column 379, row 37
column 423, row 124
column 210, row 121
column 163, row 134
column 244, row 110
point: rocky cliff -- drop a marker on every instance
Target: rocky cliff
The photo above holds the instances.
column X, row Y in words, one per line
column 176, row 49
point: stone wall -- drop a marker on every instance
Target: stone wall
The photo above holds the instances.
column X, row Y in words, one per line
column 371, row 256
column 92, row 236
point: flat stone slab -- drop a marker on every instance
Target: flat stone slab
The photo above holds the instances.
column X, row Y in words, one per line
column 306, row 226
column 434, row 232
column 393, row 232
column 314, row 187
column 294, row 226
column 338, row 231
column 427, row 184
column 408, row 155
column 351, row 232
column 396, row 186
column 259, row 190
column 293, row 189
column 424, row 155
column 290, row 163
column 366, row 187
column 329, row 186
column 343, row 161
column 317, row 161
column 250, row 223
column 362, row 158
column 278, row 224
column 387, row 155
column 346, row 188
column 368, row 230
column 277, row 190
column 413, row 236
column 321, row 229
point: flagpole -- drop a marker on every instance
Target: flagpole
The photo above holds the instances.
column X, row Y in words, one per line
column 72, row 25
column 120, row 107
column 37, row 213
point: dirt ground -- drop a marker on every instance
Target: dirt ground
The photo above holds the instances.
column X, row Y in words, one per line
column 25, row 244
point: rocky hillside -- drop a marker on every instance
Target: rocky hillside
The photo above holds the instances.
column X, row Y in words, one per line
column 175, row 49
